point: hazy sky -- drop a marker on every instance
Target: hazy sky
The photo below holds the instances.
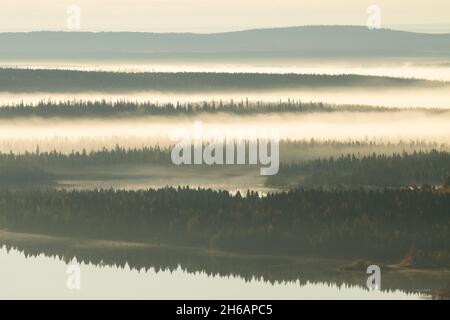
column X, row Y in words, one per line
column 219, row 15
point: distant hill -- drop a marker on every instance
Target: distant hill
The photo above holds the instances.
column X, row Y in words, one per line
column 308, row 41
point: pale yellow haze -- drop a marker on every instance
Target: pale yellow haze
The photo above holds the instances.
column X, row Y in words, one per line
column 219, row 15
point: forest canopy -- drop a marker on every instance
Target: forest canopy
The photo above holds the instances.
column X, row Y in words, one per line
column 354, row 223
column 28, row 80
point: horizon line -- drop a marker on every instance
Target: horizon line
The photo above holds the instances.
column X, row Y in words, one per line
column 337, row 26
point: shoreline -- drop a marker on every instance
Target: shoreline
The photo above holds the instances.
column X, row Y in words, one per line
column 142, row 257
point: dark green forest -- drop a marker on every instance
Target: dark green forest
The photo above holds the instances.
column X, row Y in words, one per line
column 350, row 170
column 41, row 80
column 289, row 149
column 383, row 224
column 79, row 108
column 399, row 169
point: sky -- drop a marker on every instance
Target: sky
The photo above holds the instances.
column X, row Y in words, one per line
column 208, row 16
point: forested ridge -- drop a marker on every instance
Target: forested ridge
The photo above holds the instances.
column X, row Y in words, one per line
column 103, row 108
column 362, row 151
column 42, row 80
column 349, row 170
column 399, row 169
column 354, row 223
column 247, row 45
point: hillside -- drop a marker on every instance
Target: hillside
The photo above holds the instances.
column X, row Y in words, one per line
column 308, row 41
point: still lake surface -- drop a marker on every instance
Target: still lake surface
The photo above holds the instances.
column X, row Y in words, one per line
column 43, row 277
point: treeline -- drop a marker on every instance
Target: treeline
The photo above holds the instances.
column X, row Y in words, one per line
column 103, row 108
column 351, row 170
column 289, row 151
column 399, row 169
column 24, row 174
column 27, row 80
column 118, row 155
column 383, row 224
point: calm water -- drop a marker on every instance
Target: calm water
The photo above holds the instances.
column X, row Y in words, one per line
column 255, row 183
column 45, row 278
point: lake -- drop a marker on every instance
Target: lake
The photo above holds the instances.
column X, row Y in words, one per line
column 42, row 277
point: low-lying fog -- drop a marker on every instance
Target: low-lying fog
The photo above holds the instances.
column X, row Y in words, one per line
column 399, row 98
column 66, row 135
column 431, row 69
